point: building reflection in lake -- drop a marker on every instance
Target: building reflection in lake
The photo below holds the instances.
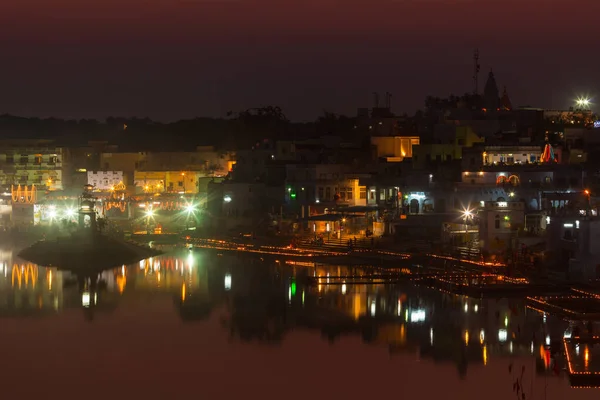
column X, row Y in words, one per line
column 265, row 300
column 26, row 289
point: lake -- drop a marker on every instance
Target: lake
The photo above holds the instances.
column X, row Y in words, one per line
column 225, row 326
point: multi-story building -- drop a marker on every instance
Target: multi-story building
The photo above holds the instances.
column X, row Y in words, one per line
column 167, row 181
column 32, row 162
column 105, row 180
column 325, row 184
column 394, row 148
column 499, row 222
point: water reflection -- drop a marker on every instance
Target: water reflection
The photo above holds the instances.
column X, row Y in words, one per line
column 264, row 301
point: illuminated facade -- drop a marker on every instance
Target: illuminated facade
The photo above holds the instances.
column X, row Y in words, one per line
column 31, row 162
column 324, row 184
column 394, row 148
column 499, row 222
column 182, row 182
column 105, row 180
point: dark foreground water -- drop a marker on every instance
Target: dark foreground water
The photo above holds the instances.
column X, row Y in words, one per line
column 227, row 327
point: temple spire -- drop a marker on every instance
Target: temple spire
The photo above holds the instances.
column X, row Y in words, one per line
column 490, row 93
column 505, row 101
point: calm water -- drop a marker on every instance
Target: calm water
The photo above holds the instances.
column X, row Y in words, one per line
column 224, row 326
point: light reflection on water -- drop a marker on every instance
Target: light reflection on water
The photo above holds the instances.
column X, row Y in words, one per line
column 254, row 301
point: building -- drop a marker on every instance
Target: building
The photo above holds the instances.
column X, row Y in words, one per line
column 31, row 162
column 167, row 181
column 328, row 185
column 105, row 180
column 205, row 159
column 499, row 224
column 394, row 148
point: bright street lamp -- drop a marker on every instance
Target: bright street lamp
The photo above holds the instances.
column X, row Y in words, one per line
column 583, row 102
column 149, row 213
column 70, row 213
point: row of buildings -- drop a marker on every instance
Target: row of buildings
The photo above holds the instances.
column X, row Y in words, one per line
column 471, row 171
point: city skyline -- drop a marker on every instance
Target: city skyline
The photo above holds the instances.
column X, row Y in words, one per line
column 203, row 58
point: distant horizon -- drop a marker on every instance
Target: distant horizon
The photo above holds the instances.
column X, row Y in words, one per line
column 225, row 117
column 170, row 61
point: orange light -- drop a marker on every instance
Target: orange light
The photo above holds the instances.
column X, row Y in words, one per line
column 587, row 192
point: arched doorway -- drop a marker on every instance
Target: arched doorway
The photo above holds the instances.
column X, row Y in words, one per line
column 514, row 180
column 501, row 180
column 414, row 206
column 427, row 205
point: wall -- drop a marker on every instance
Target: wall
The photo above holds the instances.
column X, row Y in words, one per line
column 126, row 162
column 149, row 181
column 498, row 224
column 105, row 180
column 397, row 147
column 31, row 163
column 204, row 159
column 425, row 154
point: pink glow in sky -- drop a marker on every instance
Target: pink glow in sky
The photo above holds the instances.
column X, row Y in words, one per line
column 173, row 59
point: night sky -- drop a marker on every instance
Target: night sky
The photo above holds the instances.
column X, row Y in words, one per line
column 169, row 59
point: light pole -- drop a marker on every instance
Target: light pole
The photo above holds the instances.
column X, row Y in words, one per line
column 467, row 215
column 589, row 203
column 149, row 214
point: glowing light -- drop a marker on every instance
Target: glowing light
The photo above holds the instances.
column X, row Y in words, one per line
column 150, row 213
column 586, row 357
column 227, row 199
column 85, row 299
column 190, row 208
column 52, row 214
column 481, row 336
column 344, row 288
column 502, row 335
column 70, row 213
column 484, row 355
column 227, row 281
column 583, row 102
column 417, row 316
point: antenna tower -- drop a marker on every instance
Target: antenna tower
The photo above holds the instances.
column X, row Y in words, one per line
column 476, row 68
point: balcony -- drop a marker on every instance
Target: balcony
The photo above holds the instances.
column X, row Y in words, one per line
column 499, row 167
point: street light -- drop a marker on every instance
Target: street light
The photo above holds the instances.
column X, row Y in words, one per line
column 467, row 215
column 70, row 213
column 583, row 102
column 190, row 208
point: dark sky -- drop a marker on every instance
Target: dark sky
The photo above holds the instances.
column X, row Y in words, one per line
column 170, row 59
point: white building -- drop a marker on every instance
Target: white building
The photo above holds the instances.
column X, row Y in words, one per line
column 498, row 223
column 104, row 180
